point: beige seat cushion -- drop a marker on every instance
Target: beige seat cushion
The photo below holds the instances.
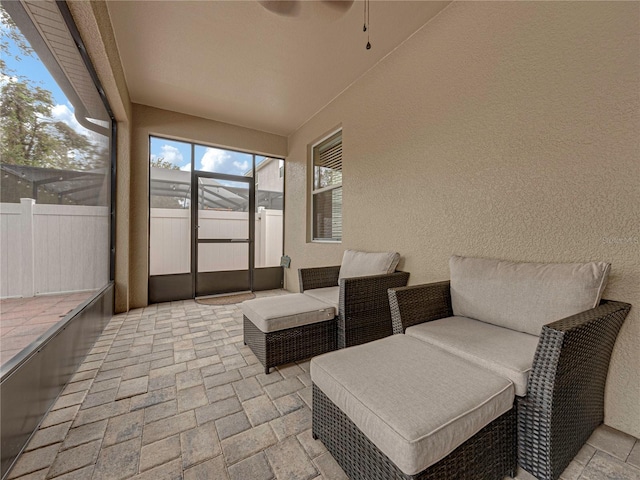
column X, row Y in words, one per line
column 328, row 295
column 416, row 403
column 271, row 314
column 524, row 296
column 503, row 351
column 361, row 264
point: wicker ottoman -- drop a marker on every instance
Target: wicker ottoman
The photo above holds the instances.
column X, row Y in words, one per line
column 288, row 328
column 397, row 408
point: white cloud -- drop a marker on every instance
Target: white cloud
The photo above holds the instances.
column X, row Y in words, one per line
column 213, row 158
column 62, row 113
column 242, row 166
column 4, row 79
column 171, row 154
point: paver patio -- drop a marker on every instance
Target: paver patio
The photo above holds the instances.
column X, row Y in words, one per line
column 23, row 320
column 170, row 391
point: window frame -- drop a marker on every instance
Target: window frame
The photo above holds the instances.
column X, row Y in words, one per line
column 313, row 191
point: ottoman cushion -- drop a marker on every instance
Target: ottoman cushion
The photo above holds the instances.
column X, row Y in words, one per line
column 416, row 403
column 271, row 314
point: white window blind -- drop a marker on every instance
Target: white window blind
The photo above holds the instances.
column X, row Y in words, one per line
column 327, row 189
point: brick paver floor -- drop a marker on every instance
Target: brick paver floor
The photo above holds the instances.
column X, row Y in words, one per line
column 23, row 320
column 170, row 391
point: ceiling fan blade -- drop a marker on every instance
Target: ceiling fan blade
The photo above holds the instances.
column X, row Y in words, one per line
column 289, row 8
column 341, row 6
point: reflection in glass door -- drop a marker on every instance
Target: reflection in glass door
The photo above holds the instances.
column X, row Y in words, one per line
column 224, row 225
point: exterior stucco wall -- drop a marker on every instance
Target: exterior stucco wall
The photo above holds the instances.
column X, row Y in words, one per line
column 505, row 130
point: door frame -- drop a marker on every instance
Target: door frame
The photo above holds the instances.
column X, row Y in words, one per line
column 195, row 208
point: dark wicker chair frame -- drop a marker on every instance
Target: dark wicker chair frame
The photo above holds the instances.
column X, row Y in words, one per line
column 565, row 393
column 290, row 345
column 364, row 314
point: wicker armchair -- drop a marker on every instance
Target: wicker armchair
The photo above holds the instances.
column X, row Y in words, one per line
column 564, row 402
column 364, row 313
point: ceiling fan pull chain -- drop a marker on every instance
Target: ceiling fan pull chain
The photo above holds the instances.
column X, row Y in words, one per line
column 368, row 5
column 364, row 28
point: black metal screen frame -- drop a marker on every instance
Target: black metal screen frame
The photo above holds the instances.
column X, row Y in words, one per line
column 75, row 34
column 195, row 208
column 172, row 286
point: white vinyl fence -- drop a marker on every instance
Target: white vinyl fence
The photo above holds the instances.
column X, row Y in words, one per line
column 269, row 238
column 52, row 248
column 48, row 249
column 170, row 248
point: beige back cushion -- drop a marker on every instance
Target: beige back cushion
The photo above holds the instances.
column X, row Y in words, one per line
column 524, row 296
column 362, row 264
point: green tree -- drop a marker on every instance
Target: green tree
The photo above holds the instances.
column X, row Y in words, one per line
column 29, row 136
column 25, row 139
column 73, row 149
column 11, row 32
column 160, row 162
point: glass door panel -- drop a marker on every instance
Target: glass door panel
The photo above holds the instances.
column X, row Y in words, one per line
column 224, row 234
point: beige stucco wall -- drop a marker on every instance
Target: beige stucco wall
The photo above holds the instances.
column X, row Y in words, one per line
column 153, row 121
column 505, row 130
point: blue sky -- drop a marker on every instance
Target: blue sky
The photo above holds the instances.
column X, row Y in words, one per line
column 208, row 159
column 33, row 69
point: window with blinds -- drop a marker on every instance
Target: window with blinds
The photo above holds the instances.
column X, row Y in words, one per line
column 327, row 189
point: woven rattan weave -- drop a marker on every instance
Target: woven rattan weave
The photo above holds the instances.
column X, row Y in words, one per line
column 290, row 345
column 565, row 394
column 565, row 391
column 363, row 313
column 488, row 455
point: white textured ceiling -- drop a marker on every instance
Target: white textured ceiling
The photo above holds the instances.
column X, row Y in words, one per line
column 240, row 63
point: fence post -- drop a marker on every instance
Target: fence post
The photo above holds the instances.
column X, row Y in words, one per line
column 26, row 223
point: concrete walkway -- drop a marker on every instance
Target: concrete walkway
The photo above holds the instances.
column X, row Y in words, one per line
column 171, row 391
